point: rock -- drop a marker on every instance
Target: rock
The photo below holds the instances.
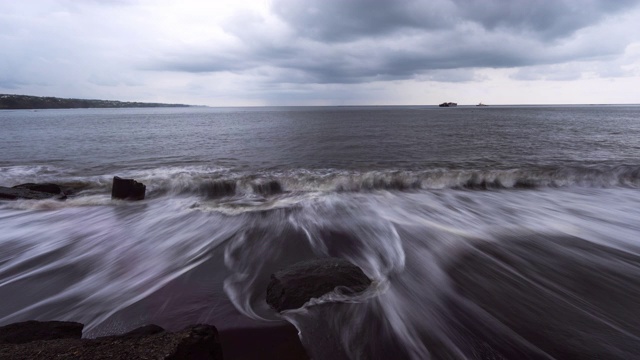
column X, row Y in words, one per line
column 127, row 189
column 15, row 193
column 146, row 330
column 28, row 331
column 199, row 342
column 292, row 287
column 46, row 188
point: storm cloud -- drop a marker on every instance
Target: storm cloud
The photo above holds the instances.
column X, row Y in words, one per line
column 336, row 41
column 336, row 20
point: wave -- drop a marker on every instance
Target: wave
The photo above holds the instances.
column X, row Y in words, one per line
column 217, row 183
column 451, row 269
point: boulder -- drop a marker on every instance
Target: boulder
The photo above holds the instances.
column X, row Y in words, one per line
column 45, row 187
column 24, row 332
column 146, row 330
column 199, row 342
column 127, row 189
column 14, row 193
column 295, row 285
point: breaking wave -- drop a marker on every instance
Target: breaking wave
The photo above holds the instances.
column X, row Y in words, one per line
column 216, row 183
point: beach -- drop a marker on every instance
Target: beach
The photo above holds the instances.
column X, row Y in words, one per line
column 496, row 231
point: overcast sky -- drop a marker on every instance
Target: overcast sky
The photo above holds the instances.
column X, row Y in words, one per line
column 323, row 52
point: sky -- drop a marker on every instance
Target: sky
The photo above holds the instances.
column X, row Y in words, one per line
column 323, row 52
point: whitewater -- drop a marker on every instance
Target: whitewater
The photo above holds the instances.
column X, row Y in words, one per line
column 494, row 230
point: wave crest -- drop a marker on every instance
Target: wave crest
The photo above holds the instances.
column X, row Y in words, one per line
column 210, row 184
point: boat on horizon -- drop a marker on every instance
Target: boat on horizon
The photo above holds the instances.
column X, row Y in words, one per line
column 448, row 104
column 481, row 104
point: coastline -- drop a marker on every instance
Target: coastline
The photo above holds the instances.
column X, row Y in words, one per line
column 27, row 102
column 35, row 340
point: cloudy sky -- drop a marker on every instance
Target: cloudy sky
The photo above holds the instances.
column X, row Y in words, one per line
column 323, row 52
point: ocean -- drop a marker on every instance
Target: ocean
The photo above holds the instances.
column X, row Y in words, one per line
column 508, row 231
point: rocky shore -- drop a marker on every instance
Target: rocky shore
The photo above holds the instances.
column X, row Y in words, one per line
column 289, row 288
column 34, row 340
column 122, row 189
column 45, row 340
column 32, row 191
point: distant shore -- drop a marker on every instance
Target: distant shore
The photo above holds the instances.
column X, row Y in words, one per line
column 17, row 102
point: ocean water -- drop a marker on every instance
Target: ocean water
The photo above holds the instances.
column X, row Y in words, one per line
column 492, row 232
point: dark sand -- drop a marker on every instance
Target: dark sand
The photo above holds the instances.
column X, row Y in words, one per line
column 278, row 342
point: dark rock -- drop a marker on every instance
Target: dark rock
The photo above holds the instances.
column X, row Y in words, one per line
column 28, row 331
column 199, row 342
column 127, row 189
column 146, row 330
column 290, row 288
column 15, row 193
column 46, row 187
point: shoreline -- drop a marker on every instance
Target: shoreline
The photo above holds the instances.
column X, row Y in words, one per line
column 53, row 339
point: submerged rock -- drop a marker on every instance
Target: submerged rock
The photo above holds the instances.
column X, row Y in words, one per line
column 292, row 287
column 199, row 342
column 127, row 189
column 45, row 187
column 25, row 192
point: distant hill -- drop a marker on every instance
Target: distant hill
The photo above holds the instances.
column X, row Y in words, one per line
column 8, row 101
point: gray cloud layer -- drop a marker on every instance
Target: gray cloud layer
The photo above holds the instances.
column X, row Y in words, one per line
column 356, row 41
column 318, row 51
column 339, row 20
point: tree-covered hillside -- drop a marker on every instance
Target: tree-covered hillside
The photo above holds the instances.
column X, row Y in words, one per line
column 36, row 102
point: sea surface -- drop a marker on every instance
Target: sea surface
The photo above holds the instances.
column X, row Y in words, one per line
column 490, row 232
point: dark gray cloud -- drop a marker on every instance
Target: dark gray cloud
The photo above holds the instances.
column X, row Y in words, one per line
column 345, row 20
column 384, row 60
column 358, row 41
column 546, row 19
column 339, row 20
